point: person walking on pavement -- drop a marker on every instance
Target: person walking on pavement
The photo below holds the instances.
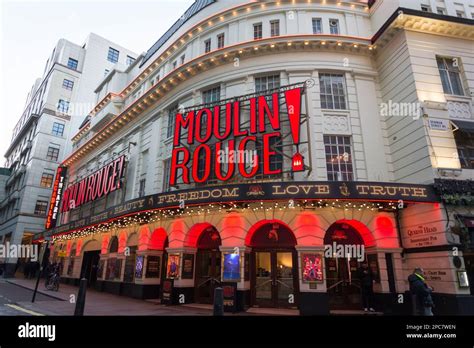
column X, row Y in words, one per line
column 421, row 293
column 366, row 287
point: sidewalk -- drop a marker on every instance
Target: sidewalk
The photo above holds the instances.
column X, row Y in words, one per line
column 98, row 303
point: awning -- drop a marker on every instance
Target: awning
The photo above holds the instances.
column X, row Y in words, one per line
column 465, row 126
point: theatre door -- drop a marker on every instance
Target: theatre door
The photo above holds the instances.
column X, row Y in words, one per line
column 274, row 281
column 208, row 265
column 343, row 284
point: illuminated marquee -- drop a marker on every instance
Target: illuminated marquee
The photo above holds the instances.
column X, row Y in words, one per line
column 201, row 134
column 97, row 185
column 56, row 195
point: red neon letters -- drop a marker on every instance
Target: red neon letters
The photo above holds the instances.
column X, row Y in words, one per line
column 195, row 157
column 95, row 186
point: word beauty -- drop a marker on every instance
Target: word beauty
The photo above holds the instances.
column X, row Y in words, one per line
column 205, row 130
column 94, row 186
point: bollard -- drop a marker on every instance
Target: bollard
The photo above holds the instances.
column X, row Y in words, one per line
column 218, row 302
column 81, row 298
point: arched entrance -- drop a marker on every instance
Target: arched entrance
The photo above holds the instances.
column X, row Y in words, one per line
column 208, row 263
column 343, row 284
column 274, row 281
column 90, row 261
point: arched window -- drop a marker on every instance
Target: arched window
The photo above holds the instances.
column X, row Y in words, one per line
column 114, row 244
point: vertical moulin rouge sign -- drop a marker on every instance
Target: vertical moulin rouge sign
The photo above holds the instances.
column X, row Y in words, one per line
column 239, row 124
column 54, row 204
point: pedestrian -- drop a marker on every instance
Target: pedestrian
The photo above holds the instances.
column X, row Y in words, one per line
column 366, row 278
column 421, row 293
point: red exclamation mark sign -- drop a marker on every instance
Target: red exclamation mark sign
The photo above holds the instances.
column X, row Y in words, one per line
column 293, row 104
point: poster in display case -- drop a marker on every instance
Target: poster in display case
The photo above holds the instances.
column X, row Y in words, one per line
column 312, row 268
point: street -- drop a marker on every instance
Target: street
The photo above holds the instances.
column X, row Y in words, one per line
column 11, row 295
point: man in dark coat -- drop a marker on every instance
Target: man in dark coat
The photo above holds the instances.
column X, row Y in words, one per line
column 421, row 291
column 366, row 287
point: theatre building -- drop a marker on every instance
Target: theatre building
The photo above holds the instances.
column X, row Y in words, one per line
column 273, row 147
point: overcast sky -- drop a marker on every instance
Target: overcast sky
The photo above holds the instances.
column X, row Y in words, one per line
column 29, row 29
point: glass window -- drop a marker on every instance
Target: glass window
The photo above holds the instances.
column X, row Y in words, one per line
column 129, row 60
column 63, row 106
column 175, row 64
column 333, row 91
column 113, row 55
column 425, row 8
column 58, row 129
column 450, row 75
column 440, row 10
column 41, row 207
column 106, row 71
column 460, row 14
column 166, row 174
column 211, row 95
column 68, row 84
column 141, row 191
column 220, row 40
column 171, row 121
column 257, row 31
column 275, row 28
column 52, row 154
column 47, row 180
column 465, row 144
column 72, row 63
column 338, row 158
column 207, row 46
column 334, row 26
column 264, row 83
column 182, row 59
column 317, row 26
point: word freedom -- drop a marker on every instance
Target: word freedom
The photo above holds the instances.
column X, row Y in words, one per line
column 218, row 125
column 8, row 250
column 95, row 186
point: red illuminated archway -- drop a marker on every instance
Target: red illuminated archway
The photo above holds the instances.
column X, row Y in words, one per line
column 349, row 232
column 202, row 235
column 158, row 239
column 270, row 233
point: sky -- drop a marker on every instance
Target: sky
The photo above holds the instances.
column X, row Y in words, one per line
column 29, row 30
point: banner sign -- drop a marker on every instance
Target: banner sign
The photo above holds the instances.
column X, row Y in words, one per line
column 271, row 191
column 207, row 137
column 55, row 201
column 104, row 181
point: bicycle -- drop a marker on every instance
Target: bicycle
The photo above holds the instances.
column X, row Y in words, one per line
column 53, row 282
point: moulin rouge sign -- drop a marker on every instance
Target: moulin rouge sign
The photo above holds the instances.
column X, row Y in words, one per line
column 97, row 185
column 198, row 127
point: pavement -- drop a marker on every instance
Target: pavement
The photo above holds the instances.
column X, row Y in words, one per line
column 16, row 294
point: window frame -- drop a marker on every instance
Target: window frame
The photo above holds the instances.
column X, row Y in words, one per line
column 72, row 63
column 63, row 106
column 52, row 152
column 207, row 45
column 337, row 26
column 40, row 203
column 68, row 84
column 113, row 55
column 272, row 23
column 130, row 60
column 258, row 31
column 314, row 21
column 448, row 71
column 221, row 40
column 47, row 180
column 58, row 129
column 333, row 96
column 344, row 175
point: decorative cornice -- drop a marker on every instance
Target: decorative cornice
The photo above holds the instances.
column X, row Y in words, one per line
column 226, row 55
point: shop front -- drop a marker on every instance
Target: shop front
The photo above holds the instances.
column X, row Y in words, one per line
column 298, row 246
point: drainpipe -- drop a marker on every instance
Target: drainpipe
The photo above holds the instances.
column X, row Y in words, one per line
column 400, row 240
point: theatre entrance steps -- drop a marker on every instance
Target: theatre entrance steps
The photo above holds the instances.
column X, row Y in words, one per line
column 273, row 311
column 352, row 312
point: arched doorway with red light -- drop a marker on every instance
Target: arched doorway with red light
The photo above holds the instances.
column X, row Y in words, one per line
column 274, row 280
column 208, row 261
column 342, row 239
